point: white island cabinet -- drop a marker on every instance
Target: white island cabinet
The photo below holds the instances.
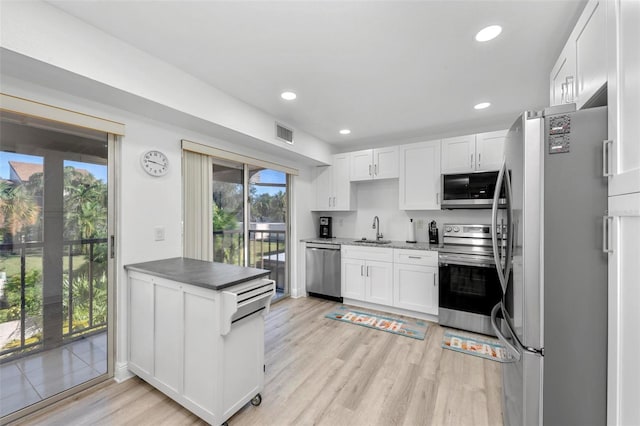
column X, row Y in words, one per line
column 196, row 333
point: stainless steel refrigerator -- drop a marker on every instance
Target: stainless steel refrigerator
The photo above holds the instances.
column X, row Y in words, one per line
column 553, row 314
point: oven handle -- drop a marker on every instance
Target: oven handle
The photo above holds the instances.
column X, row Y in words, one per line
column 463, row 263
column 513, row 351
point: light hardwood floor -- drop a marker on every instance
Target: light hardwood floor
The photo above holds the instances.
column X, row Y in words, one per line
column 321, row 372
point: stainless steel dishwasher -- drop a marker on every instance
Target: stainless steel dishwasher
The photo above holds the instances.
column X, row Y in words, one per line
column 323, row 270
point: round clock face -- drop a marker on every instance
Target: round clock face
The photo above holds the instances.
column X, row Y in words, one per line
column 155, row 163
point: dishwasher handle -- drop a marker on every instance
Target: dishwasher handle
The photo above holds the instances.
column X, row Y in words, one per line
column 323, row 246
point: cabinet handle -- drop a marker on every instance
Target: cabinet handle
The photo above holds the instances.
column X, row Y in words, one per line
column 434, row 280
column 471, row 161
column 415, row 257
column 606, row 234
column 334, row 201
column 361, row 270
column 329, row 201
column 606, row 158
column 437, row 198
column 479, row 156
column 369, row 169
column 367, row 271
column 375, row 170
column 570, row 88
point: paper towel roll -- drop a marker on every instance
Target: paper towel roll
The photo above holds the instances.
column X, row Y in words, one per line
column 411, row 232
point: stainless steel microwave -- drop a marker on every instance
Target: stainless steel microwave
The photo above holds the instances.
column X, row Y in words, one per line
column 470, row 190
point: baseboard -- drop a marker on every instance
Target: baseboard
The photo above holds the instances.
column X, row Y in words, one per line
column 391, row 310
column 122, row 372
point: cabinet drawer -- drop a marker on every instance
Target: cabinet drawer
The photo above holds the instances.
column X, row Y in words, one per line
column 367, row 253
column 416, row 257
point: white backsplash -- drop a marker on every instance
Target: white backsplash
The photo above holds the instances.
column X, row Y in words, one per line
column 380, row 198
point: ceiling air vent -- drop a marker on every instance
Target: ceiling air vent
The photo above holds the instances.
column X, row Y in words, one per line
column 284, row 133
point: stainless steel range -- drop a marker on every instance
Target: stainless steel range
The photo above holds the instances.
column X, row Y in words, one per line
column 469, row 283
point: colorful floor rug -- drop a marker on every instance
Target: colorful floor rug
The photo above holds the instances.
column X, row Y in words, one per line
column 485, row 348
column 413, row 328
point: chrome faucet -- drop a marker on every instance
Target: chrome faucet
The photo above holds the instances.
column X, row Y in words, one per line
column 376, row 226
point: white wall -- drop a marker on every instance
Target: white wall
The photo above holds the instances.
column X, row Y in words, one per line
column 380, row 198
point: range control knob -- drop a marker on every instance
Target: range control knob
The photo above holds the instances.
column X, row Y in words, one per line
column 448, row 229
column 456, row 229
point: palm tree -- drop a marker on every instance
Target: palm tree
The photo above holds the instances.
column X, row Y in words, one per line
column 18, row 210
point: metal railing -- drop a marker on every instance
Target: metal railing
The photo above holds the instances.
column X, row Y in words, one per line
column 267, row 250
column 72, row 249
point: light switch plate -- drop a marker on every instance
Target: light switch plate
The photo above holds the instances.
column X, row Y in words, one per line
column 158, row 231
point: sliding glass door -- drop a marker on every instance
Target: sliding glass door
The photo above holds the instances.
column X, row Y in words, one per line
column 250, row 218
column 53, row 261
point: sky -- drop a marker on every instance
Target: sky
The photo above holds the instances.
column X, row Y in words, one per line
column 99, row 171
column 271, row 176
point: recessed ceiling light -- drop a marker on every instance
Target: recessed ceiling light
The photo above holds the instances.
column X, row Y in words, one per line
column 288, row 96
column 489, row 33
column 345, row 131
column 483, row 105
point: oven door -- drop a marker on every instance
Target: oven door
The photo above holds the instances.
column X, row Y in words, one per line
column 467, row 293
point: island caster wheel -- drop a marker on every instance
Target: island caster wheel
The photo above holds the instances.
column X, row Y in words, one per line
column 257, row 400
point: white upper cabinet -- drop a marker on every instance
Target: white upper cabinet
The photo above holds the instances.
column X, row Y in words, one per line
column 562, row 76
column 333, row 187
column 622, row 150
column 379, row 163
column 473, row 153
column 581, row 72
column 490, row 150
column 458, row 154
column 420, row 176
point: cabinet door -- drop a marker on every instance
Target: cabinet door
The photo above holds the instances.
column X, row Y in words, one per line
column 361, row 165
column 562, row 76
column 458, row 154
column 323, row 187
column 379, row 279
column 420, row 176
column 623, row 91
column 141, row 316
column 416, row 288
column 623, row 244
column 590, row 47
column 169, row 316
column 490, row 150
column 385, row 163
column 353, row 278
column 342, row 197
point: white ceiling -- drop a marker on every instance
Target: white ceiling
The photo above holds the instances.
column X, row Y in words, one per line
column 387, row 70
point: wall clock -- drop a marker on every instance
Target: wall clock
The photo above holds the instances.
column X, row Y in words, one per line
column 155, row 163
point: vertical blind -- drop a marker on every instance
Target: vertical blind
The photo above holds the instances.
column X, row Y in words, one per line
column 198, row 220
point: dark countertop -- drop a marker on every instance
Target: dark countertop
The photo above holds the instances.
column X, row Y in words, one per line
column 211, row 275
column 357, row 242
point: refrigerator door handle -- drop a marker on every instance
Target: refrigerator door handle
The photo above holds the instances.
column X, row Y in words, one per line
column 508, row 261
column 494, row 228
column 513, row 351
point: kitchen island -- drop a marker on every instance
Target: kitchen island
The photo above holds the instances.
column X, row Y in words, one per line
column 196, row 332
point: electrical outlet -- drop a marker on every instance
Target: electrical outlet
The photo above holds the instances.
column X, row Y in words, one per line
column 158, row 231
column 420, row 224
column 340, row 222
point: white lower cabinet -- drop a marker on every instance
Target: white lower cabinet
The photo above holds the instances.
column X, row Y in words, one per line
column 367, row 274
column 178, row 343
column 415, row 281
column 394, row 278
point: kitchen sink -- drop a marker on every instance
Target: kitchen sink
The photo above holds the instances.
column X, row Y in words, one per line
column 380, row 242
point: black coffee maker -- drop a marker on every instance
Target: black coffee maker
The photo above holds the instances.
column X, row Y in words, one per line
column 325, row 227
column 433, row 233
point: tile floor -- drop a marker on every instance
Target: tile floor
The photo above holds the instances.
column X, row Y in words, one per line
column 33, row 378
